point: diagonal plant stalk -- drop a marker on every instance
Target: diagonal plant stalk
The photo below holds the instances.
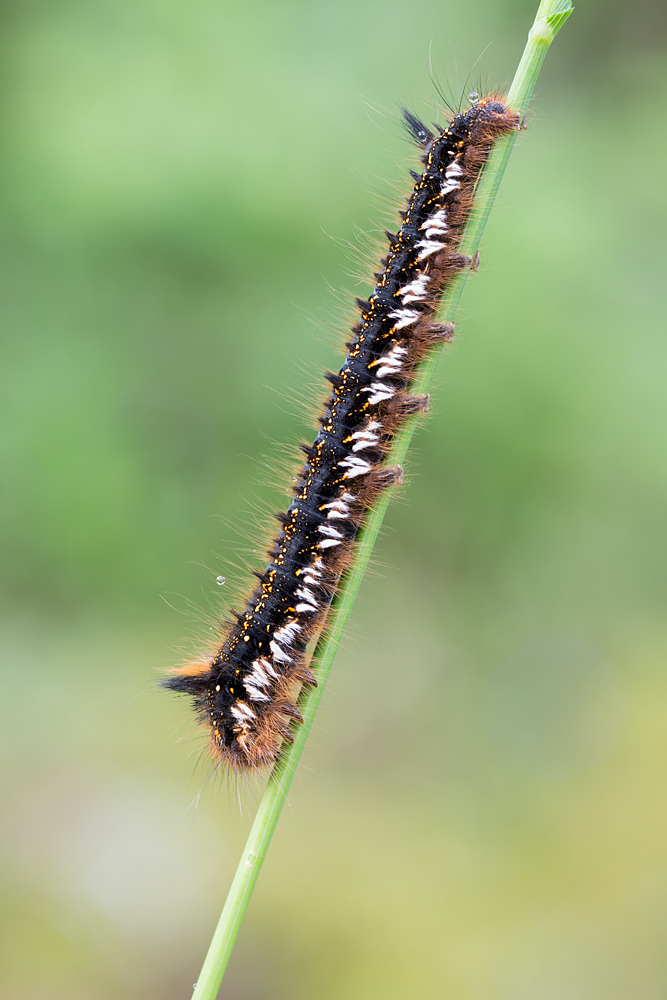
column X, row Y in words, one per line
column 551, row 16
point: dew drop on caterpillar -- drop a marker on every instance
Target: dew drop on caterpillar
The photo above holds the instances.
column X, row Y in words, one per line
column 245, row 692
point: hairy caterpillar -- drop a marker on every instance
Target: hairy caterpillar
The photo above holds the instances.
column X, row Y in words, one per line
column 245, row 693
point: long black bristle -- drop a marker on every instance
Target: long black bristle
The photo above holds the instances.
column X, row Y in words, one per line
column 416, row 128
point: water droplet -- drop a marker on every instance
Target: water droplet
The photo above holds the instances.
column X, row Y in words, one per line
column 473, row 96
column 220, row 580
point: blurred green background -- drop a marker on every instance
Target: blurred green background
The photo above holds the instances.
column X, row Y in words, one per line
column 481, row 813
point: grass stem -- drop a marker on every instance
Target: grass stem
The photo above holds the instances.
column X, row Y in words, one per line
column 551, row 15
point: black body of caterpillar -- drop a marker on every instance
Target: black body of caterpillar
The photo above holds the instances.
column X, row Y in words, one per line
column 245, row 693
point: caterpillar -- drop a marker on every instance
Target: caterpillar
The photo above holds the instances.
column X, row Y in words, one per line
column 245, row 693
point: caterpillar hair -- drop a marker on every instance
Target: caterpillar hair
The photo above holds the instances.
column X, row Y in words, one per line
column 245, row 692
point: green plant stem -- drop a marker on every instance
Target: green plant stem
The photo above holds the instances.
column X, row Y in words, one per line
column 550, row 17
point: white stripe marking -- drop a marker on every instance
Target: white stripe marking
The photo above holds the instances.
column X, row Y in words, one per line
column 406, row 317
column 279, row 655
column 380, row 392
column 242, row 712
column 416, row 290
column 429, row 247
